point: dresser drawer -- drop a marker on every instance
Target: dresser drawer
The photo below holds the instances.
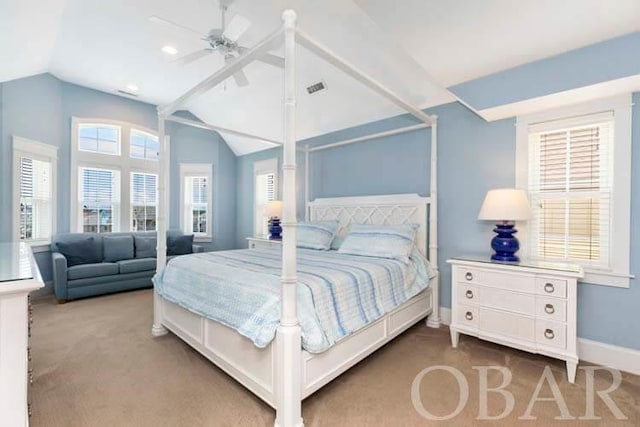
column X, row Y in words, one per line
column 467, row 293
column 551, row 334
column 516, row 282
column 516, row 302
column 507, row 324
column 551, row 287
column 548, row 308
column 467, row 315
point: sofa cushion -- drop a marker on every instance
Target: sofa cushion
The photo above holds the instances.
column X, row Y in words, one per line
column 117, row 248
column 78, row 252
column 180, row 245
column 135, row 265
column 92, row 270
column 145, row 246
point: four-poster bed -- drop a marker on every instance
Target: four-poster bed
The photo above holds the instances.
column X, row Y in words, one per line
column 282, row 373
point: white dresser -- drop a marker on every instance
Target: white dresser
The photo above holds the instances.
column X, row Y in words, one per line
column 257, row 242
column 530, row 305
column 19, row 275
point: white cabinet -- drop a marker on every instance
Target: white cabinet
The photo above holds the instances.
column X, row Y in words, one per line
column 531, row 306
column 258, row 242
column 19, row 275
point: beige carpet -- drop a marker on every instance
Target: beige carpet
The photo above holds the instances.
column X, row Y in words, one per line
column 96, row 364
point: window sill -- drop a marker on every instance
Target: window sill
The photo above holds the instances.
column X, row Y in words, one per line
column 606, row 278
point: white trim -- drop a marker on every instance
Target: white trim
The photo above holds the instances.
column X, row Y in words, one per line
column 37, row 151
column 613, row 356
column 621, row 200
column 199, row 169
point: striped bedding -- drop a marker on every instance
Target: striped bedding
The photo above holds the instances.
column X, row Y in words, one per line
column 337, row 293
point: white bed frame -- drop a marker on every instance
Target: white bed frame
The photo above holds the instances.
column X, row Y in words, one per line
column 282, row 374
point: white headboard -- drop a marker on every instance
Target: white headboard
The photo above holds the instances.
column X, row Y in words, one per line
column 387, row 209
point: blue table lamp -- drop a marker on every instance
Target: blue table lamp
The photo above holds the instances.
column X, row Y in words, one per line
column 505, row 205
column 274, row 212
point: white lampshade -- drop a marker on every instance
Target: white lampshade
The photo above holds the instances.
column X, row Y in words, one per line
column 505, row 204
column 274, row 209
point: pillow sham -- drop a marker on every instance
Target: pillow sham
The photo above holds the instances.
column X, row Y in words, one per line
column 316, row 234
column 380, row 241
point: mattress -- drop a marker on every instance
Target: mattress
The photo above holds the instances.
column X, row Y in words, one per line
column 337, row 294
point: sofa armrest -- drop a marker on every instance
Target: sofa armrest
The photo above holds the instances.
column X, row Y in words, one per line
column 197, row 248
column 59, row 275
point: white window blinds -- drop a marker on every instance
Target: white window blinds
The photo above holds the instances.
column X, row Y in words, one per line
column 197, row 202
column 99, row 200
column 144, row 198
column 570, row 189
column 265, row 192
column 36, row 191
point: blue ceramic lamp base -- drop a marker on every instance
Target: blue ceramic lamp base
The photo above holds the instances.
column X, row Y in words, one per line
column 275, row 229
column 504, row 243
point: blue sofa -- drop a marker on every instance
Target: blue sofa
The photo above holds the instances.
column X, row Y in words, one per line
column 116, row 267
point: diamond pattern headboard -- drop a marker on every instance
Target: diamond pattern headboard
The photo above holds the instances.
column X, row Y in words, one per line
column 387, row 209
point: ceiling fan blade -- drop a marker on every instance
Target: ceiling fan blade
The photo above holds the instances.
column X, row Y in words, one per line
column 193, row 56
column 157, row 20
column 267, row 58
column 236, row 28
column 241, row 78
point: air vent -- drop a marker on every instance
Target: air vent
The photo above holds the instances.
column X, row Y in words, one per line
column 316, row 87
column 125, row 93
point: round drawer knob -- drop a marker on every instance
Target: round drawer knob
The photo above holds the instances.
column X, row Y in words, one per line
column 469, row 294
column 548, row 334
column 549, row 309
column 469, row 315
column 549, row 288
column 468, row 276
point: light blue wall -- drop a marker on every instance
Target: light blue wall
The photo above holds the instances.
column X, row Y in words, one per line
column 41, row 108
column 601, row 62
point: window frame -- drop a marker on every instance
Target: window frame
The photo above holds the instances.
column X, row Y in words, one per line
column 23, row 147
column 117, row 205
column 190, row 170
column 263, row 167
column 131, row 204
column 619, row 252
column 124, row 163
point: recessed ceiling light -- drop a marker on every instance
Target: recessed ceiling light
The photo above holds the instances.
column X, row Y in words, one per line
column 133, row 88
column 170, row 50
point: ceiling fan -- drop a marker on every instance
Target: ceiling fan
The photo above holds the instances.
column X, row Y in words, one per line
column 223, row 40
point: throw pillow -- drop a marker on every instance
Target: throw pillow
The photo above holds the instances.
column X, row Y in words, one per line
column 180, row 245
column 117, row 248
column 145, row 246
column 79, row 252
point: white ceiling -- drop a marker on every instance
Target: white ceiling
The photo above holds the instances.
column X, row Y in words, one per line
column 107, row 45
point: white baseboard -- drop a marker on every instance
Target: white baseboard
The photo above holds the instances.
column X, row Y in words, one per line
column 599, row 353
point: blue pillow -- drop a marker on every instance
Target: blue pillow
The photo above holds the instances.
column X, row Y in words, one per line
column 117, row 248
column 316, row 234
column 145, row 246
column 79, row 252
column 180, row 245
column 381, row 241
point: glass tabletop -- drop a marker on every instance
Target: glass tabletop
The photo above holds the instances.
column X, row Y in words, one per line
column 530, row 263
column 15, row 262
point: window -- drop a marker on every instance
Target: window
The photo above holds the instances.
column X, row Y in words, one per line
column 144, row 145
column 99, row 200
column 103, row 139
column 144, row 199
column 121, row 161
column 572, row 172
column 197, row 204
column 34, row 190
column 265, row 190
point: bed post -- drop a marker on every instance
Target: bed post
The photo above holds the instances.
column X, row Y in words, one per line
column 433, row 320
column 288, row 369
column 307, row 173
column 163, row 172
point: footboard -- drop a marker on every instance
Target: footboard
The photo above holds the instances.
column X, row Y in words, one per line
column 254, row 367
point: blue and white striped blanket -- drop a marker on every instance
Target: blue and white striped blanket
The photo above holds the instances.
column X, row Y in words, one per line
column 337, row 293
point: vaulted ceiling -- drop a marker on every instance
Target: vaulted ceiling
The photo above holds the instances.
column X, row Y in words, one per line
column 415, row 47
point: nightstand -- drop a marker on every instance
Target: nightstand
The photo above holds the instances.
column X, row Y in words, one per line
column 258, row 242
column 530, row 305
